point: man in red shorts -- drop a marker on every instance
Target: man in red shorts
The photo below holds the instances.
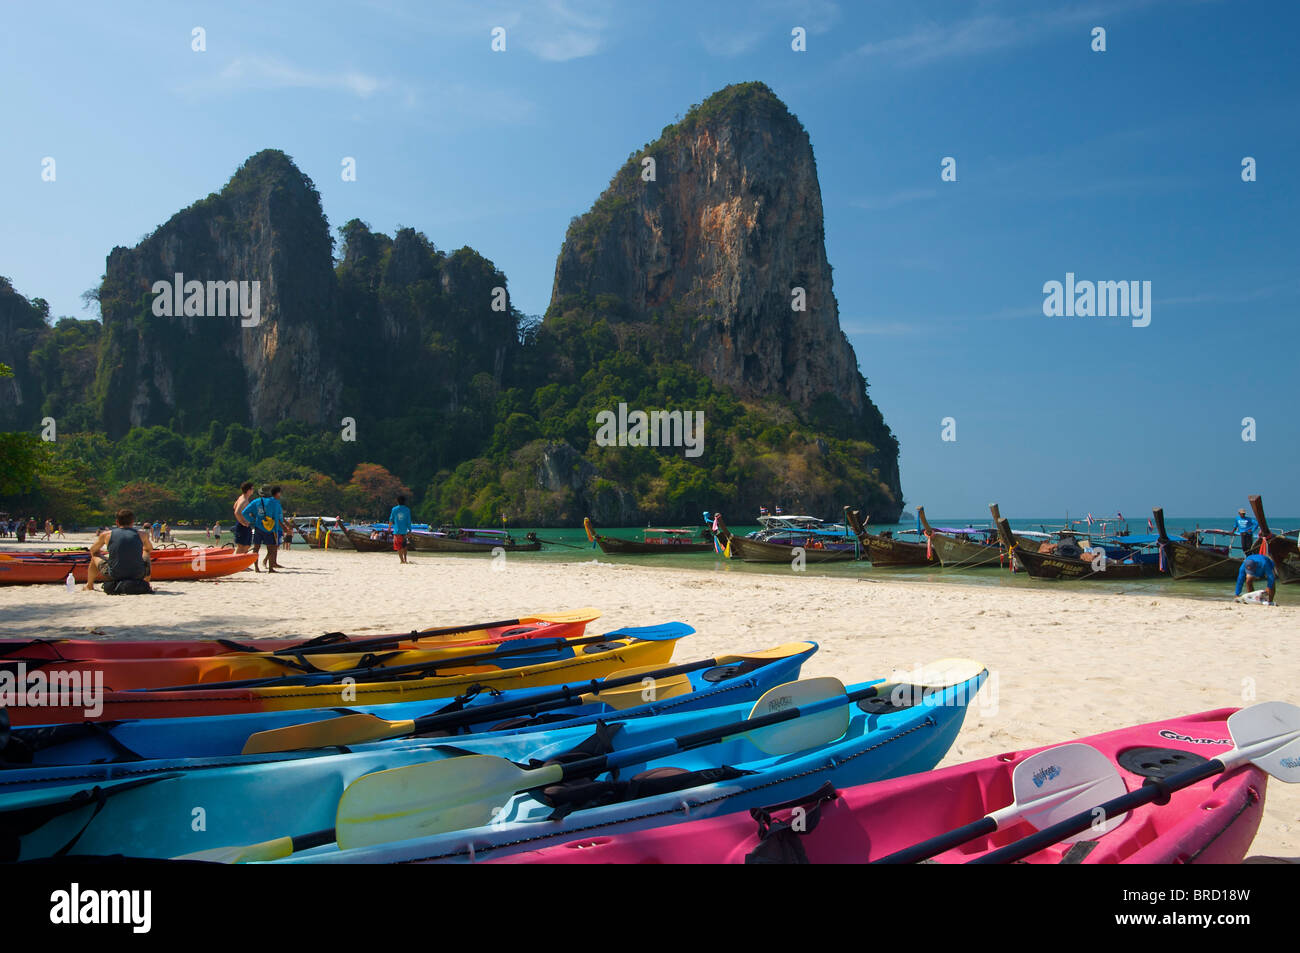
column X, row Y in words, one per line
column 400, row 520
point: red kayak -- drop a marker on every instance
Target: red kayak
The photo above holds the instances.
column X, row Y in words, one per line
column 551, row 625
column 1210, row 822
column 214, row 563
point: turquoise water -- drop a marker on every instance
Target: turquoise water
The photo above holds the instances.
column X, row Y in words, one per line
column 571, row 545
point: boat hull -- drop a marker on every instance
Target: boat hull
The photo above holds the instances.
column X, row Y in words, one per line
column 1049, row 566
column 612, row 546
column 754, row 551
column 428, row 543
column 956, row 553
column 886, row 551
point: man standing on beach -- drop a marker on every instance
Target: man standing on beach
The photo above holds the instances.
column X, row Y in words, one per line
column 266, row 516
column 1257, row 567
column 1246, row 527
column 243, row 528
column 400, row 519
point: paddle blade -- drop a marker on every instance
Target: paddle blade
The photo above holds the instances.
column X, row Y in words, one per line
column 431, row 798
column 645, row 692
column 267, row 850
column 664, row 632
column 1267, row 734
column 344, row 730
column 1057, row 784
column 941, row 673
column 819, row 723
column 586, row 614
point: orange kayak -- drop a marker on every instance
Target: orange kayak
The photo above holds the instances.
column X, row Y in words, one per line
column 566, row 624
column 214, row 563
column 126, row 674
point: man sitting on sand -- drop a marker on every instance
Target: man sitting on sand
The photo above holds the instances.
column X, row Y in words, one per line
column 128, row 553
column 243, row 528
column 267, row 519
column 1256, row 567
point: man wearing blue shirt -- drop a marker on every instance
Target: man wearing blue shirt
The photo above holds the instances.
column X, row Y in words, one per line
column 267, row 518
column 400, row 519
column 1256, row 567
column 1246, row 527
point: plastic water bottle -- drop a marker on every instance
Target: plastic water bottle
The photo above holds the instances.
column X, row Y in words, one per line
column 69, row 584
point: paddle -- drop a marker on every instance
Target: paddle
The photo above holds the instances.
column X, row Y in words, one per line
column 415, row 801
column 1266, row 735
column 441, row 796
column 669, row 682
column 665, row 632
column 1045, row 788
column 573, row 616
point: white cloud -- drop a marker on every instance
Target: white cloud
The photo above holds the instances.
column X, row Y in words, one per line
column 255, row 71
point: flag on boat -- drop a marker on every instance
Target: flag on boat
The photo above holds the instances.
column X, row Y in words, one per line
column 1119, row 516
column 1090, row 521
column 1150, row 528
column 779, row 511
column 762, row 511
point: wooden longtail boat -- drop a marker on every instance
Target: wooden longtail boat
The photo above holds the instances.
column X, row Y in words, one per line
column 362, row 542
column 757, row 551
column 964, row 549
column 1282, row 549
column 1062, row 563
column 471, row 541
column 668, row 542
column 1190, row 559
column 888, row 551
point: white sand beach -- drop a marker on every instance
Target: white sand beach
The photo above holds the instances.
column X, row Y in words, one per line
column 1065, row 660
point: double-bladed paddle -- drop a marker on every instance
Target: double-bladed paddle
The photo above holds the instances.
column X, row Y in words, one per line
column 1266, row 735
column 622, row 689
column 1046, row 787
column 447, row 795
column 665, row 632
column 571, row 617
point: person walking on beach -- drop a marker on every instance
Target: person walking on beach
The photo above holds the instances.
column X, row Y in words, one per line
column 243, row 528
column 400, row 519
column 128, row 553
column 216, row 533
column 1245, row 527
column 267, row 519
column 49, row 528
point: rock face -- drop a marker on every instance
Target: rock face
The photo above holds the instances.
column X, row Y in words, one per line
column 266, row 226
column 22, row 325
column 726, row 239
column 730, row 227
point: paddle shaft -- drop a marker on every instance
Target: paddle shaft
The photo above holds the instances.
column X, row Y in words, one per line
column 937, row 845
column 413, row 636
column 550, row 700
column 698, row 739
column 506, row 650
column 1157, row 792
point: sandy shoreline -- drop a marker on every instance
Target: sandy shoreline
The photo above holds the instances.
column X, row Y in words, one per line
column 1065, row 661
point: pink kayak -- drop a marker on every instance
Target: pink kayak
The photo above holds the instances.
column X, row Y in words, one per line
column 1212, row 822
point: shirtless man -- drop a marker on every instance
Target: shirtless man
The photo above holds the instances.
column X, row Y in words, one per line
column 243, row 528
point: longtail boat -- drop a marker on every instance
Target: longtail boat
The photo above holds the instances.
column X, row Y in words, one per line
column 363, row 543
column 887, row 550
column 656, row 541
column 1190, row 558
column 1065, row 559
column 455, row 540
column 753, row 550
column 964, row 548
column 1282, row 549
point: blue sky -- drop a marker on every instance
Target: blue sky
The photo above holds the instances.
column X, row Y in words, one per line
column 1119, row 165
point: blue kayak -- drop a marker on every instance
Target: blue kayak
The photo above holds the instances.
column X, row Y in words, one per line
column 730, row 677
column 886, row 738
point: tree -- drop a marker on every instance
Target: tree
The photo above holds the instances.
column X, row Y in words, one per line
column 375, row 488
column 20, row 456
column 147, row 499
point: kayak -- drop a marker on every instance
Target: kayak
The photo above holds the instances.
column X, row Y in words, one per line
column 214, row 563
column 731, row 678
column 251, row 799
column 1212, row 822
column 186, row 648
column 886, row 738
column 152, row 673
column 71, row 705
column 82, row 553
